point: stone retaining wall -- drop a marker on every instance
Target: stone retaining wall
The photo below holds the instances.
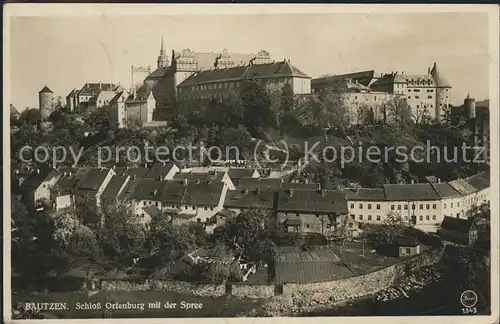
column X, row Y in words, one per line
column 318, row 293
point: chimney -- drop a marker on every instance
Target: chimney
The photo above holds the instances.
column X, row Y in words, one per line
column 132, row 177
column 185, row 182
column 306, row 181
column 438, row 180
column 127, row 167
column 257, row 191
column 245, row 191
column 113, row 167
column 290, row 192
column 145, row 165
column 37, row 171
column 322, row 192
column 164, row 163
column 412, row 181
column 160, row 178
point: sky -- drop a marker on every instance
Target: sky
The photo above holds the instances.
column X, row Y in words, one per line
column 65, row 52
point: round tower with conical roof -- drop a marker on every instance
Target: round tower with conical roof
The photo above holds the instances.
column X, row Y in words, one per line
column 470, row 107
column 45, row 100
column 443, row 91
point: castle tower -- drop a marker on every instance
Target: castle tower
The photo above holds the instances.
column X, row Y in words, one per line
column 45, row 100
column 470, row 107
column 162, row 59
column 443, row 92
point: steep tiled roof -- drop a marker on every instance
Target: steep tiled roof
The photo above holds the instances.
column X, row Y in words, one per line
column 300, row 186
column 202, row 194
column 314, row 201
column 202, row 177
column 401, row 192
column 268, row 70
column 46, row 89
column 73, row 92
column 159, row 170
column 389, row 79
column 364, row 78
column 114, row 186
column 249, row 199
column 206, row 61
column 406, row 241
column 152, row 210
column 92, row 89
column 37, row 177
column 479, row 181
column 366, row 194
column 439, row 79
column 148, row 189
column 457, row 224
column 261, row 183
column 91, row 180
column 445, row 190
column 462, row 186
column 238, row 173
column 173, row 192
column 135, row 173
column 68, row 180
column 158, row 73
column 117, row 97
column 13, row 110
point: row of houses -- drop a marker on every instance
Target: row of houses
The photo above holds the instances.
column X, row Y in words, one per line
column 210, row 196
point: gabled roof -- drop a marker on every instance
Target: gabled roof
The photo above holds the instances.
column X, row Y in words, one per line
column 91, row 89
column 135, row 173
column 406, row 241
column 312, row 201
column 201, row 177
column 203, row 194
column 300, row 186
column 173, row 192
column 114, row 186
column 148, row 189
column 366, row 194
column 364, row 78
column 206, row 61
column 259, row 183
column 158, row 73
column 267, row 70
column 462, row 186
column 410, row 192
column 119, row 96
column 238, row 173
column 457, row 224
column 445, row 190
column 46, row 89
column 439, row 79
column 159, row 170
column 479, row 181
column 37, row 177
column 13, row 110
column 73, row 92
column 92, row 179
column 152, row 210
column 389, row 79
column 68, row 180
column 242, row 199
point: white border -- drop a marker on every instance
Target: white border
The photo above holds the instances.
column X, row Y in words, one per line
column 72, row 10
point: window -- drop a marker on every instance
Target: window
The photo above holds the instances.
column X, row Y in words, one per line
column 378, row 217
column 144, row 203
column 194, row 208
column 356, row 97
column 409, row 97
column 444, row 206
column 458, row 204
column 352, row 216
column 427, row 217
column 418, row 106
column 421, row 217
column 429, row 97
column 352, row 205
column 369, row 206
column 406, row 207
column 156, row 203
column 433, row 217
column 433, row 206
column 307, row 225
column 413, row 206
column 409, row 90
column 417, row 97
column 417, row 90
column 360, row 217
column 421, row 206
column 211, row 208
column 378, row 206
column 392, row 207
column 205, row 208
column 451, row 205
column 360, row 206
column 399, row 207
column 369, row 217
column 427, row 206
column 407, row 251
column 297, row 214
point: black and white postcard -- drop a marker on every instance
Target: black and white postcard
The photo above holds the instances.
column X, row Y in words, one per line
column 329, row 162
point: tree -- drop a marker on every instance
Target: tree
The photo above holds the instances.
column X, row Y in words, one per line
column 396, row 111
column 392, row 226
column 31, row 116
column 222, row 265
column 343, row 232
column 123, row 235
column 257, row 114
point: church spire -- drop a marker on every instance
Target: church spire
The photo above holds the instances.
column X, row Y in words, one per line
column 162, row 59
